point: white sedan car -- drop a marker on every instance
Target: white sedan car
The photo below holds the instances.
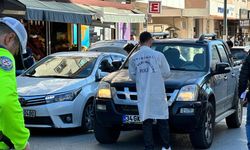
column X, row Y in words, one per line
column 58, row 91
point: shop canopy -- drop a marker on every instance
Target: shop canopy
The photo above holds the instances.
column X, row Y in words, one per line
column 48, row 10
column 112, row 14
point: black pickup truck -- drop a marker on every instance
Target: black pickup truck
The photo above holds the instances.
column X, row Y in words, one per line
column 201, row 91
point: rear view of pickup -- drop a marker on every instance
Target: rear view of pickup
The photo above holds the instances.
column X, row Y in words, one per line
column 202, row 90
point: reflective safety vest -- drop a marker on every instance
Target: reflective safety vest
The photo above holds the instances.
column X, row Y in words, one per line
column 11, row 113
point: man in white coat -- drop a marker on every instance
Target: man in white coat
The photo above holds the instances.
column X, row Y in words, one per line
column 149, row 69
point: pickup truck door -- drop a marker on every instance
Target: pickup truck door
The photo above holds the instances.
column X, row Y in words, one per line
column 229, row 77
column 218, row 83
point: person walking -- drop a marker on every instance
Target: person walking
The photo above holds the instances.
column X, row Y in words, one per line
column 149, row 69
column 243, row 85
column 13, row 134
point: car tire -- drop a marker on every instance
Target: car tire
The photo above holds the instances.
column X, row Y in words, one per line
column 202, row 137
column 88, row 117
column 235, row 120
column 106, row 135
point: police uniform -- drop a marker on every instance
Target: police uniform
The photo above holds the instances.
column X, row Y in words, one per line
column 11, row 113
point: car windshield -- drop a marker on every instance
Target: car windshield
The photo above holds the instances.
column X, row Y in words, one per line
column 63, row 67
column 239, row 54
column 188, row 57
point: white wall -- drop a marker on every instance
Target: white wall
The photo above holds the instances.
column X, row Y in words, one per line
column 216, row 9
column 233, row 7
column 169, row 3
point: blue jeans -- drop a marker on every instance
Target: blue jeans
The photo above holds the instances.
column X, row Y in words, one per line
column 248, row 126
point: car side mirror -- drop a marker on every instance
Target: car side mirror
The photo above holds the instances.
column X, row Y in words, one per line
column 117, row 64
column 222, row 68
column 100, row 75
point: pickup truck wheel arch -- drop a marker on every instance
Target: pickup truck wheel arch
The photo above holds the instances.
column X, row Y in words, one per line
column 235, row 120
column 211, row 99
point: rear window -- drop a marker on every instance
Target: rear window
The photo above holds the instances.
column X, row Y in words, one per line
column 239, row 54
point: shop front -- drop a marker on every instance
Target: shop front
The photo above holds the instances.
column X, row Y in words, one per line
column 114, row 22
column 52, row 26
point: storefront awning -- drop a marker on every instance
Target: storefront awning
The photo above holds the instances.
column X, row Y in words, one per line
column 53, row 11
column 111, row 14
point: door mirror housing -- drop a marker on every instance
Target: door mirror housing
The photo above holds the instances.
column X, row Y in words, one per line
column 100, row 75
column 222, row 68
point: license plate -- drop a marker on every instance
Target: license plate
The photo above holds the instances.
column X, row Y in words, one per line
column 131, row 119
column 29, row 113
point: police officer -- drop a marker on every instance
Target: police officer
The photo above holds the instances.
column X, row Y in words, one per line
column 13, row 37
column 243, row 84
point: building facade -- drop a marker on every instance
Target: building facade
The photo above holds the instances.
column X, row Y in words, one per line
column 191, row 18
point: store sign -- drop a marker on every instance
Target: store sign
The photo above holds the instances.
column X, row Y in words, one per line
column 217, row 9
column 244, row 23
column 154, row 7
column 243, row 14
column 179, row 4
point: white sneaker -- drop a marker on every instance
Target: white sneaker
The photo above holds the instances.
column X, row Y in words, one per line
column 163, row 148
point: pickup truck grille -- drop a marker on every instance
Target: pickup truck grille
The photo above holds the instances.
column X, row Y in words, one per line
column 32, row 100
column 128, row 95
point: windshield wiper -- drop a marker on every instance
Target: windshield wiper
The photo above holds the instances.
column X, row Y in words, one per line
column 54, row 76
column 178, row 69
column 28, row 75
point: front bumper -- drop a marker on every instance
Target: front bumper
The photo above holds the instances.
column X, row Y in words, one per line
column 55, row 115
column 110, row 115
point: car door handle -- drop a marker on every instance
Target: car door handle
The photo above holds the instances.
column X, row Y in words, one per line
column 225, row 77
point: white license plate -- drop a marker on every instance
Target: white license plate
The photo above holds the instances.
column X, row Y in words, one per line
column 29, row 113
column 131, row 119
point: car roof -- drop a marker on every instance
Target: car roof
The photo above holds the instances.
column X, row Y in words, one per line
column 83, row 54
column 184, row 41
column 245, row 48
column 112, row 43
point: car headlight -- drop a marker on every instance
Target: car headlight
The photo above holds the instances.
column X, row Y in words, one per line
column 188, row 93
column 67, row 96
column 104, row 90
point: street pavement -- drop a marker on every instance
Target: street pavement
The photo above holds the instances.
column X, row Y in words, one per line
column 61, row 139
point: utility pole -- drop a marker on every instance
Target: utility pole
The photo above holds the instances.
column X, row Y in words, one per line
column 225, row 30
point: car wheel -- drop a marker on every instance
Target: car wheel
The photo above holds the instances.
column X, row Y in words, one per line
column 106, row 135
column 88, row 117
column 202, row 137
column 235, row 120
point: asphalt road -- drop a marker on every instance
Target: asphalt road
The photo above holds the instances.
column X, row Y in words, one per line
column 51, row 139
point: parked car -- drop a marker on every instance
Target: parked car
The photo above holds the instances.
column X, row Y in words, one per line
column 116, row 46
column 201, row 91
column 59, row 90
column 240, row 53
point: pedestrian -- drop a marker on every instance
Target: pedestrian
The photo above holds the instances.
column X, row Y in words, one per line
column 13, row 37
column 243, row 85
column 230, row 44
column 149, row 69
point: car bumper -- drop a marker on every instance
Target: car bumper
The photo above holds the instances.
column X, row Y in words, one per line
column 184, row 117
column 55, row 115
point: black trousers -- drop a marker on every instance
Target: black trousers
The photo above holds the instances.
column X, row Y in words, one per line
column 163, row 128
